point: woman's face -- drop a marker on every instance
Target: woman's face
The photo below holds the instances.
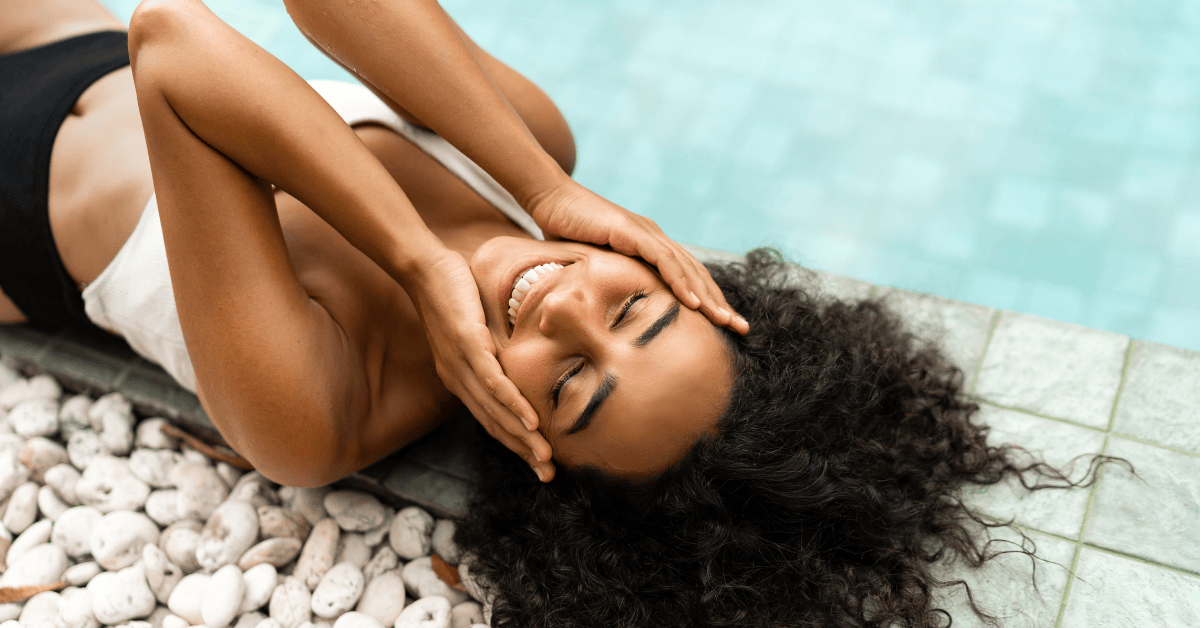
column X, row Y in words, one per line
column 623, row 377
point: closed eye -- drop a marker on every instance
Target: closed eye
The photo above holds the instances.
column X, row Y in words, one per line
column 562, row 381
column 633, row 298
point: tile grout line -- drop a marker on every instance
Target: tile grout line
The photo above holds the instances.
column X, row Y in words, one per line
column 1112, row 415
column 1079, row 543
column 987, row 344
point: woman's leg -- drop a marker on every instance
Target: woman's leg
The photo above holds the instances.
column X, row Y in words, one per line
column 30, row 23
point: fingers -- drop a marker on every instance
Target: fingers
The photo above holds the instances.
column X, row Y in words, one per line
column 509, row 416
column 694, row 286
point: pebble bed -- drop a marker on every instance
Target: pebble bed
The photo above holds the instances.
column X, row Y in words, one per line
column 147, row 532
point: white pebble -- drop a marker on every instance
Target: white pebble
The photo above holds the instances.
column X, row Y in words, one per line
column 39, row 454
column 117, row 540
column 8, row 615
column 275, row 521
column 338, row 590
column 353, row 549
column 188, row 597
column 411, row 532
column 383, row 597
column 357, row 620
column 161, row 506
column 50, row 504
column 149, row 435
column 443, row 541
column 422, row 581
column 36, row 417
column 230, row 531
column 228, row 473
column 223, row 597
column 276, row 552
column 116, row 431
column 108, row 484
column 427, row 612
column 75, row 609
column 179, row 541
column 154, row 466
column 81, row 574
column 12, row 473
column 41, row 564
column 175, row 621
column 466, row 615
column 269, row 622
column 201, row 490
column 291, row 603
column 22, row 508
column 385, row 559
column 8, row 376
column 112, row 402
column 309, row 502
column 73, row 530
column 318, row 553
column 156, row 618
column 120, row 596
column 474, row 587
column 63, row 478
column 249, row 620
column 33, row 536
column 40, row 610
column 172, row 574
column 253, row 487
column 83, row 447
column 154, row 561
column 260, row 583
column 375, row 536
column 72, row 416
column 355, row 511
column 40, row 387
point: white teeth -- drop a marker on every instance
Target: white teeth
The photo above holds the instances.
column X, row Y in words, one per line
column 524, row 282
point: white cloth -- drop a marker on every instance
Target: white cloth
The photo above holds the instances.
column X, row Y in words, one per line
column 132, row 297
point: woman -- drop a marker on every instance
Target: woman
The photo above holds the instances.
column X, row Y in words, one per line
column 799, row 472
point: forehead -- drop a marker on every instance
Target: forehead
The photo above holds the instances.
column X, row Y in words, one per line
column 668, row 394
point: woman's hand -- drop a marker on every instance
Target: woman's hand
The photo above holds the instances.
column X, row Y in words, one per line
column 573, row 212
column 447, row 300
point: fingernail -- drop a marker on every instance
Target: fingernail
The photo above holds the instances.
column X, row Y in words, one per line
column 695, row 299
column 541, row 474
column 724, row 312
column 537, row 456
column 528, row 425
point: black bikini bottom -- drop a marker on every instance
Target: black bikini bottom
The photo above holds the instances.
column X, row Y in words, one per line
column 38, row 88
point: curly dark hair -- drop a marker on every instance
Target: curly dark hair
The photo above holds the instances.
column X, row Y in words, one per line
column 829, row 492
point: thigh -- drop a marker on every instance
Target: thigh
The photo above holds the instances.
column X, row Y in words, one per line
column 30, row 23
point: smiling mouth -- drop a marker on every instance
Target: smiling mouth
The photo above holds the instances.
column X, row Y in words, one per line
column 524, row 283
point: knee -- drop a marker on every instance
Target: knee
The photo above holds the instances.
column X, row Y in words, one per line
column 157, row 21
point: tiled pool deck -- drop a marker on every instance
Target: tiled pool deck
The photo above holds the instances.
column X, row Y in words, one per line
column 1124, row 552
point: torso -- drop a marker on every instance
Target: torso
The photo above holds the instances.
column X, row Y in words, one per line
column 100, row 182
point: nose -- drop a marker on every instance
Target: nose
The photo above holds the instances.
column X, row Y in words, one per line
column 564, row 311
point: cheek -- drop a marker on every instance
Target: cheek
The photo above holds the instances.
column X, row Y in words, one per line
column 528, row 367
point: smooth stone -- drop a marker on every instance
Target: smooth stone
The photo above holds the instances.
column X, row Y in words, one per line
column 108, row 484
column 353, row 549
column 72, row 416
column 33, row 536
column 179, row 541
column 201, row 490
column 118, row 538
column 154, row 561
column 112, row 402
column 223, row 597
column 228, row 473
column 39, row 387
column 309, row 502
column 411, row 533
column 161, row 506
column 116, row 431
column 230, row 531
column 291, row 603
column 338, row 590
column 160, row 613
column 175, row 621
column 63, row 478
column 376, row 535
column 81, row 574
column 41, row 564
column 75, row 609
column 355, row 511
column 253, row 487
column 40, row 610
column 275, row 521
column 318, row 553
column 443, row 541
column 50, row 504
column 383, row 597
column 188, row 597
column 39, row 454
column 196, row 457
column 85, row 446
column 357, row 620
column 22, row 508
column 8, row 376
column 149, row 435
column 171, row 576
column 9, row 613
column 249, row 620
column 8, row 440
column 466, row 615
column 474, row 587
column 154, row 466
column 427, row 612
column 260, row 581
column 12, row 473
column 36, row 417
column 422, row 581
column 385, row 559
column 276, row 552
column 269, row 622
column 121, row 596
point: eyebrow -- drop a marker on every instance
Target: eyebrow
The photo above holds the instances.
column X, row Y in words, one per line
column 610, row 381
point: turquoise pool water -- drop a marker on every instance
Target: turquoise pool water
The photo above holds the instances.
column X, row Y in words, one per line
column 1034, row 155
